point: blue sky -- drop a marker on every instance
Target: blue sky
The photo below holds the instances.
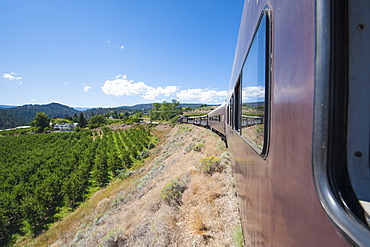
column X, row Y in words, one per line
column 114, row 53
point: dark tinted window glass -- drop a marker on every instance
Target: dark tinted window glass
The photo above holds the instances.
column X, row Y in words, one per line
column 237, row 109
column 232, row 111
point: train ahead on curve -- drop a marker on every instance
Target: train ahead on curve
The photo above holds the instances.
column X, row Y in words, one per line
column 297, row 122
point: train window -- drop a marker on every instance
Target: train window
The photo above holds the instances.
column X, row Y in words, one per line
column 231, row 111
column 237, row 112
column 254, row 93
column 228, row 115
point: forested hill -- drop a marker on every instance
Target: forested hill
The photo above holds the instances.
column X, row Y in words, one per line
column 23, row 115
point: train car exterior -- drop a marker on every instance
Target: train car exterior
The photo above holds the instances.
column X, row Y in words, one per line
column 191, row 120
column 204, row 121
column 199, row 120
column 299, row 70
column 182, row 119
column 216, row 120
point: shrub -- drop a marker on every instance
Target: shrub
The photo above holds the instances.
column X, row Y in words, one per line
column 79, row 236
column 210, row 165
column 185, row 128
column 198, row 147
column 172, row 192
column 189, row 147
column 114, row 238
column 225, row 158
column 144, row 154
column 151, row 145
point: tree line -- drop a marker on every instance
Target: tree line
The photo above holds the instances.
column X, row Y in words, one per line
column 165, row 111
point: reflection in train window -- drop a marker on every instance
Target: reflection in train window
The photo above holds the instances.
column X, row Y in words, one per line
column 254, row 90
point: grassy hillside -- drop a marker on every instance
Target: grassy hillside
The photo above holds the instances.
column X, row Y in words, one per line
column 183, row 195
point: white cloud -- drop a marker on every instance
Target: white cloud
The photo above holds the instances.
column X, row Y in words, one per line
column 207, row 95
column 108, row 41
column 153, row 93
column 121, row 47
column 12, row 76
column 252, row 93
column 32, row 100
column 66, row 83
column 86, row 88
column 121, row 86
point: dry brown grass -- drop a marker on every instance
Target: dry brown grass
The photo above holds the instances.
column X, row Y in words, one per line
column 131, row 212
column 197, row 224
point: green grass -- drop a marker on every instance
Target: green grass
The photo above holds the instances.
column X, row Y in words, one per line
column 238, row 236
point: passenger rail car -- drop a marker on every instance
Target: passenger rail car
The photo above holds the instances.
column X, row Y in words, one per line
column 183, row 119
column 216, row 121
column 297, row 122
column 198, row 120
column 297, row 119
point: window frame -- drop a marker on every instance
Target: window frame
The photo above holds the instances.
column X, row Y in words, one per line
column 266, row 138
column 237, row 106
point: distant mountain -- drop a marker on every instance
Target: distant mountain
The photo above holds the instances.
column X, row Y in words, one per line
column 139, row 107
column 23, row 115
column 7, row 106
column 150, row 106
column 82, row 108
